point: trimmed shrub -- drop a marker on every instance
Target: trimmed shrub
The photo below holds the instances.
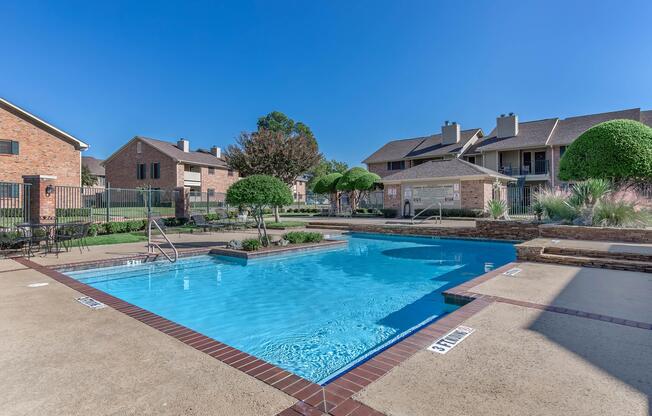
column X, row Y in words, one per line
column 389, row 212
column 11, row 212
column 616, row 150
column 73, row 212
column 251, row 244
column 298, row 237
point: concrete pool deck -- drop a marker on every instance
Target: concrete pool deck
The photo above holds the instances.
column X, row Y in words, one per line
column 58, row 357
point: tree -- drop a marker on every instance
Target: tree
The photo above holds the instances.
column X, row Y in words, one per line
column 87, row 179
column 356, row 182
column 258, row 192
column 278, row 148
column 618, row 150
column 323, row 168
column 327, row 184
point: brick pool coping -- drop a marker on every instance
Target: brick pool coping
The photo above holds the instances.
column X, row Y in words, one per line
column 334, row 398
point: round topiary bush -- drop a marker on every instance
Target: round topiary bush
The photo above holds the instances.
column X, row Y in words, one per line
column 617, row 150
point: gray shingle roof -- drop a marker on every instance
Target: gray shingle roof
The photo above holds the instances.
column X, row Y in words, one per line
column 571, row 128
column 530, row 134
column 646, row 117
column 432, row 146
column 193, row 157
column 419, row 147
column 443, row 169
column 94, row 165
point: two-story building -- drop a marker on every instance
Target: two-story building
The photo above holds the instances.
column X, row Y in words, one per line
column 528, row 153
column 96, row 169
column 31, row 146
column 146, row 162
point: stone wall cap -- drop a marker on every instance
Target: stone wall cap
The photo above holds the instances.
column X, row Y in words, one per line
column 39, row 177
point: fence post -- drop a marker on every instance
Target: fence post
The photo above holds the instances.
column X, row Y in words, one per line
column 107, row 200
column 208, row 202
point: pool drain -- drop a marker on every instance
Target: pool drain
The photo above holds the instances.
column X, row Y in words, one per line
column 90, row 302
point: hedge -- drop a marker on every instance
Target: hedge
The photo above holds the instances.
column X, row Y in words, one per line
column 298, row 237
column 73, row 212
column 11, row 212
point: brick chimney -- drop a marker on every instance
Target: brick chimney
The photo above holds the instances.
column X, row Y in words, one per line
column 216, row 151
column 183, row 145
column 507, row 125
column 450, row 133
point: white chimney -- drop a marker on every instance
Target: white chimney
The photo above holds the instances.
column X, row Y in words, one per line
column 183, row 145
column 450, row 133
column 216, row 151
column 507, row 126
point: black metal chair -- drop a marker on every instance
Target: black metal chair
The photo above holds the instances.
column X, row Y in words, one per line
column 63, row 236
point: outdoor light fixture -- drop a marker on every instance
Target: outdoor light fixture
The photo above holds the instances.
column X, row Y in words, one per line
column 48, row 190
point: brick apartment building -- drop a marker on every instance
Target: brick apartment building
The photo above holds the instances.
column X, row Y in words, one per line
column 527, row 152
column 30, row 146
column 143, row 162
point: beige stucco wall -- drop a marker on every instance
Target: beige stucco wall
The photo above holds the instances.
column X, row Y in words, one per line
column 490, row 160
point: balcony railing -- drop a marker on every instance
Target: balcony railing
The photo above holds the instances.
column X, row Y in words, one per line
column 537, row 167
column 192, row 178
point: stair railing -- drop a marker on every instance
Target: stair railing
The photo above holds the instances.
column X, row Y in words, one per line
column 430, row 217
column 151, row 245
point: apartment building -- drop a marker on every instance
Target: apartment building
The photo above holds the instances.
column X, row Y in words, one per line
column 31, row 146
column 96, row 169
column 147, row 162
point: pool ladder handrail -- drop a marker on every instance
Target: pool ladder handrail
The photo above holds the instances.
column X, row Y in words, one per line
column 152, row 245
column 426, row 219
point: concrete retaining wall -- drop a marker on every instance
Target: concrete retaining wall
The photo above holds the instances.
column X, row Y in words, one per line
column 572, row 232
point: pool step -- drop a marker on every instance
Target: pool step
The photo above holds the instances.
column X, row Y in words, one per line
column 597, row 262
column 617, row 255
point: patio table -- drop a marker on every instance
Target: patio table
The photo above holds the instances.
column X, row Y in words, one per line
column 29, row 233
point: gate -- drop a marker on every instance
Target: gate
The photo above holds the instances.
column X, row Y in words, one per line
column 14, row 204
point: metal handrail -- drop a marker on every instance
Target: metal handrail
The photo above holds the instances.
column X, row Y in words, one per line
column 432, row 216
column 151, row 245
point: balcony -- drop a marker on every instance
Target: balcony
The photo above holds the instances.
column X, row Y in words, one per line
column 536, row 170
column 191, row 178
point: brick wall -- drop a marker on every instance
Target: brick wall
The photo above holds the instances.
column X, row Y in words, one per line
column 572, row 232
column 380, row 169
column 40, row 153
column 475, row 194
column 299, row 191
column 120, row 170
column 392, row 198
column 219, row 180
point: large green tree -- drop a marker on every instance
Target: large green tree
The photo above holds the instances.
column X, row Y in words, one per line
column 617, row 150
column 280, row 147
column 327, row 184
column 323, row 168
column 258, row 192
column 87, row 178
column 356, row 182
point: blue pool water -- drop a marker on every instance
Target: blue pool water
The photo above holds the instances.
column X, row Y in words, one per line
column 314, row 314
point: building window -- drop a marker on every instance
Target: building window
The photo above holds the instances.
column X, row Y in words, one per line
column 8, row 147
column 562, row 150
column 211, row 171
column 471, row 159
column 399, row 165
column 141, row 171
column 154, row 170
column 139, row 147
column 230, row 172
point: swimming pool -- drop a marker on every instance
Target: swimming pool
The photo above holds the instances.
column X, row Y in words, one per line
column 316, row 313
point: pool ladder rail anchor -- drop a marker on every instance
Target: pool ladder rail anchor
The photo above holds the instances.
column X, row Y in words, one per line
column 152, row 245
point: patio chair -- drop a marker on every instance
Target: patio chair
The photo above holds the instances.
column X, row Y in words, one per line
column 32, row 235
column 79, row 234
column 63, row 236
column 200, row 221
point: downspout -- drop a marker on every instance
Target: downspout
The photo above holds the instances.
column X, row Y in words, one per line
column 552, row 165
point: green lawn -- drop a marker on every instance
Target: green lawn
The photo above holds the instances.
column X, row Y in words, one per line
column 116, row 239
column 283, row 224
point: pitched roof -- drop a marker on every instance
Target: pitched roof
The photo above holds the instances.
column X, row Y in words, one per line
column 19, row 112
column 193, row 157
column 646, row 117
column 94, row 165
column 530, row 134
column 438, row 169
column 571, row 128
column 420, row 147
column 432, row 145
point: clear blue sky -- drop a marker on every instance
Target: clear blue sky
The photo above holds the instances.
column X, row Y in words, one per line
column 358, row 73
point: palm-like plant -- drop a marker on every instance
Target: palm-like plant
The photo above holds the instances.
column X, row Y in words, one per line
column 497, row 208
column 589, row 192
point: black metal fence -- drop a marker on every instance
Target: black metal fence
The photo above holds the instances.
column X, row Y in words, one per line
column 14, row 203
column 74, row 203
column 206, row 202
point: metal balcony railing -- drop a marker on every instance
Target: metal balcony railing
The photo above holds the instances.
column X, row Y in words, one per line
column 537, row 167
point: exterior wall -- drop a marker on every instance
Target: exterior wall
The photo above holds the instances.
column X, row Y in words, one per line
column 556, row 157
column 408, row 193
column 120, row 170
column 510, row 158
column 299, row 191
column 219, row 181
column 476, row 194
column 40, row 153
column 392, row 197
column 381, row 170
column 490, row 160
